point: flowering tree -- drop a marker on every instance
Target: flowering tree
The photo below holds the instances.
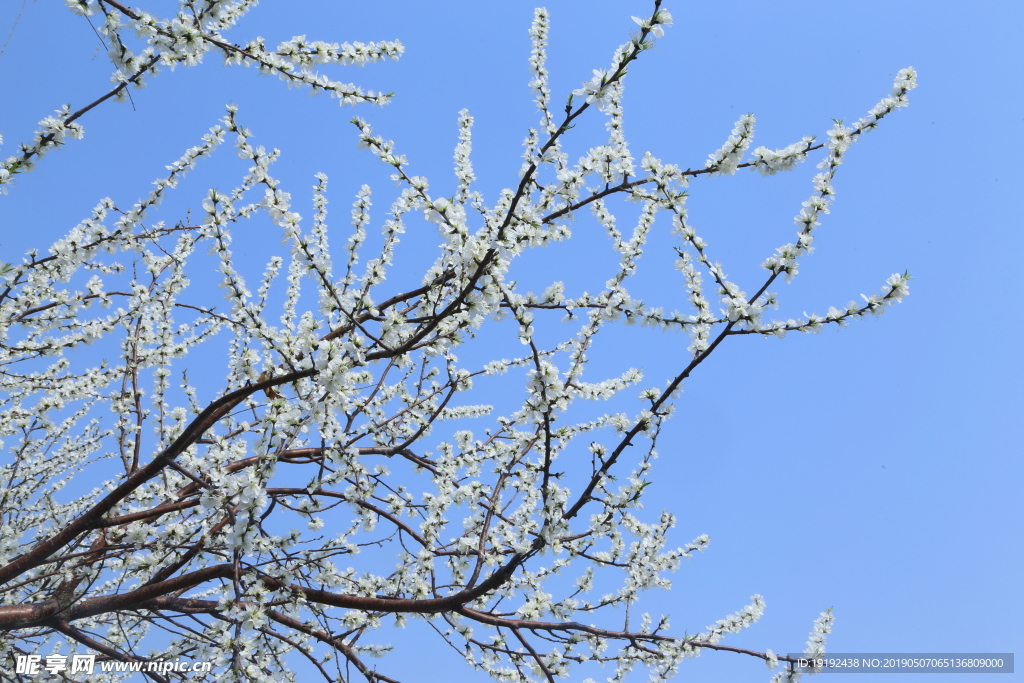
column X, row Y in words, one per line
column 145, row 510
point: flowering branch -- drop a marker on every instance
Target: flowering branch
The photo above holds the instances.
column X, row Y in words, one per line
column 350, row 412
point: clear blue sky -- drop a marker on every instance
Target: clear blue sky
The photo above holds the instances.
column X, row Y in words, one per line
column 877, row 469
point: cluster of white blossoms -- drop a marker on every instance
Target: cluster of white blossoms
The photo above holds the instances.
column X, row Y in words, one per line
column 813, row 653
column 770, row 162
column 310, row 494
column 184, row 40
column 726, row 159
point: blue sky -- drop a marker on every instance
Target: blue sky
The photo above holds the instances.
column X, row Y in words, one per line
column 876, row 469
